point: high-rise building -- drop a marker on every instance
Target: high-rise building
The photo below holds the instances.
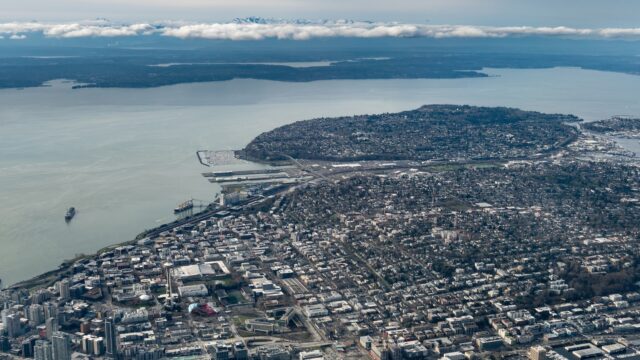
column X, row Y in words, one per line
column 240, row 351
column 86, row 344
column 35, row 314
column 537, row 353
column 110, row 338
column 43, row 350
column 50, row 310
column 221, row 352
column 61, row 349
column 40, row 296
column 27, row 347
column 64, row 289
column 92, row 345
column 85, row 327
column 5, row 345
column 12, row 325
column 98, row 346
column 3, row 317
column 52, row 327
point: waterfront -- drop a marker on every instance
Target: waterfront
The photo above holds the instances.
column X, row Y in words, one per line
column 126, row 157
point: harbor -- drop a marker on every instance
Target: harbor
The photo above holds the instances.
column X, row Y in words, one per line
column 246, row 177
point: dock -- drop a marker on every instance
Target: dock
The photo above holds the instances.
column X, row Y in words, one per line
column 240, row 173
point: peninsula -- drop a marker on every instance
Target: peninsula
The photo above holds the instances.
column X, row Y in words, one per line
column 446, row 232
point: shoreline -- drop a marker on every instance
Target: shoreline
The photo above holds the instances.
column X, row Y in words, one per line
column 480, row 73
column 49, row 277
column 46, row 277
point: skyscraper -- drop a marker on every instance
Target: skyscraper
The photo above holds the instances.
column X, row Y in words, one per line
column 52, row 327
column 36, row 314
column 27, row 346
column 63, row 288
column 61, row 346
column 50, row 310
column 92, row 345
column 12, row 325
column 110, row 338
column 43, row 350
column 3, row 316
column 5, row 346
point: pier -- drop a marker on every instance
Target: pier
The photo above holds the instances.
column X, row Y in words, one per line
column 240, row 173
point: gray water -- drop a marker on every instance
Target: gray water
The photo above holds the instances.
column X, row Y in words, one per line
column 126, row 157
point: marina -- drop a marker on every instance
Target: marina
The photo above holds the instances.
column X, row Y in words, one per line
column 217, row 157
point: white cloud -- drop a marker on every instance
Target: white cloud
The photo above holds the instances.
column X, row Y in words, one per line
column 253, row 31
column 618, row 32
column 20, row 27
column 258, row 29
column 84, row 30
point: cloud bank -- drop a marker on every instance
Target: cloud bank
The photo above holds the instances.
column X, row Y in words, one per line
column 259, row 29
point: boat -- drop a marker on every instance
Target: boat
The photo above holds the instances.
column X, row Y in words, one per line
column 70, row 214
column 187, row 205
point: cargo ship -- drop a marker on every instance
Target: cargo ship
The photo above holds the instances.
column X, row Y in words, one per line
column 187, row 205
column 70, row 214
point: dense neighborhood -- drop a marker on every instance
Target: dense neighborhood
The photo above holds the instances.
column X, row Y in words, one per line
column 535, row 257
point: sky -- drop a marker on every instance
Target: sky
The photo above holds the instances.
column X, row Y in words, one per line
column 571, row 13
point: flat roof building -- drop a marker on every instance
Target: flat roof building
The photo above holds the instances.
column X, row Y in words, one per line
column 193, row 290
